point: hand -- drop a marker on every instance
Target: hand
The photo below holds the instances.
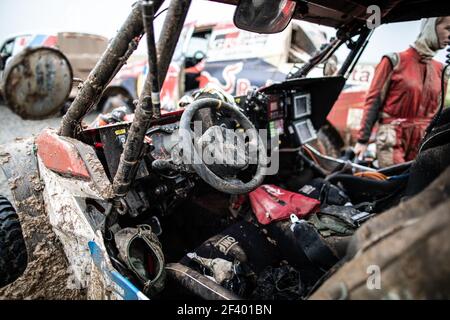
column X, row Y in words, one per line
column 360, row 149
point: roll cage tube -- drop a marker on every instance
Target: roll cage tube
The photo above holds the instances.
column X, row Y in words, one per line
column 344, row 36
column 115, row 56
column 322, row 55
column 357, row 50
column 147, row 108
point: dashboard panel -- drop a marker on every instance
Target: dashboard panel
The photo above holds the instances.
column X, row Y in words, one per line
column 295, row 108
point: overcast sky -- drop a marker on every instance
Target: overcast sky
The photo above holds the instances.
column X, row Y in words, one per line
column 104, row 17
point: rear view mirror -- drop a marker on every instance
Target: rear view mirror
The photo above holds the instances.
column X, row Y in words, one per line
column 264, row 16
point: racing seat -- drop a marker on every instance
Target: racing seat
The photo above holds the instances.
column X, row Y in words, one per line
column 244, row 260
column 220, row 267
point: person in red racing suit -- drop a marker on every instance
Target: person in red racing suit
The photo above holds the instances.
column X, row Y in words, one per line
column 404, row 95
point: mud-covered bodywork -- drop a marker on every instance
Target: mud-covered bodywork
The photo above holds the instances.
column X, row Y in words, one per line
column 20, row 165
column 70, row 245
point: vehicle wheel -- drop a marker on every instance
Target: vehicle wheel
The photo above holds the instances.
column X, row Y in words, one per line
column 13, row 252
column 328, row 143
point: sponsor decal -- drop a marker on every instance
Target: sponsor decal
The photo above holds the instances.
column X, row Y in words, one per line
column 225, row 244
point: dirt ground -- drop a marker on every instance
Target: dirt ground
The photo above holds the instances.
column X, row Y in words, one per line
column 13, row 127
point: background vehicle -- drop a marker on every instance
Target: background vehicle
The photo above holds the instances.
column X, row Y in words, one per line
column 82, row 51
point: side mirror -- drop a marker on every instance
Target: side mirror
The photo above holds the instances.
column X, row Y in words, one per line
column 264, row 16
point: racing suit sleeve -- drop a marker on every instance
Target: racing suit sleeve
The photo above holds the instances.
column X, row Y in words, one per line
column 375, row 99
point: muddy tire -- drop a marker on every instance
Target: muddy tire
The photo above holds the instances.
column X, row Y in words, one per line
column 13, row 253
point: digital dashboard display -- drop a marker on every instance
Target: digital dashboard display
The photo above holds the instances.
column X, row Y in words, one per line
column 305, row 131
column 302, row 105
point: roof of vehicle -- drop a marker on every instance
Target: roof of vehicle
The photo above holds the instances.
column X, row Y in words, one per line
column 53, row 33
column 338, row 13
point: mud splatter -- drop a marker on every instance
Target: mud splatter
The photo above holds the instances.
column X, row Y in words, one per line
column 4, row 158
column 46, row 276
column 13, row 182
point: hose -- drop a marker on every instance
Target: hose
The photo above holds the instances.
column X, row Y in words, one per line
column 198, row 283
column 371, row 175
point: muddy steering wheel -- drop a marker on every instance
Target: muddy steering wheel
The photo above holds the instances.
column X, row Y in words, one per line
column 190, row 154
